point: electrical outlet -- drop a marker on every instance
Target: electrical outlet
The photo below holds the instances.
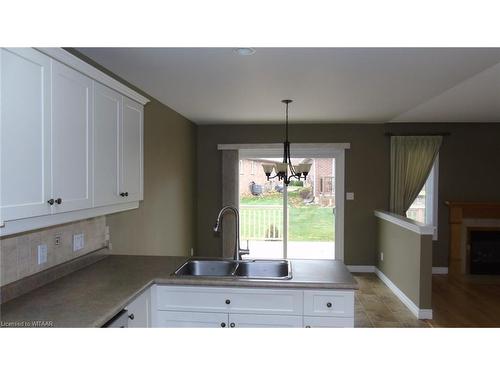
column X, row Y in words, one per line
column 78, row 242
column 42, row 254
column 382, row 256
column 57, row 240
column 349, row 196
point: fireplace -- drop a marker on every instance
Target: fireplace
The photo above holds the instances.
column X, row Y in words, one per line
column 484, row 253
column 466, row 217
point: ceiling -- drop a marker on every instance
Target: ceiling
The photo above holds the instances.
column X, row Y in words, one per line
column 328, row 85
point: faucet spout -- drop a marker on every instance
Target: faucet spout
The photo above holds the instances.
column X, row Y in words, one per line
column 238, row 251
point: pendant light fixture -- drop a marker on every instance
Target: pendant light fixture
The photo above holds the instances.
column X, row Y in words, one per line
column 285, row 171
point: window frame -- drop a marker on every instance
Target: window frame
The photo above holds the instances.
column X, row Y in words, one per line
column 431, row 198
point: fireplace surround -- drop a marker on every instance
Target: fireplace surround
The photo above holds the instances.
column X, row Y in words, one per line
column 465, row 219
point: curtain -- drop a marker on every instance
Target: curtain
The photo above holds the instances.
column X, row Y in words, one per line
column 412, row 158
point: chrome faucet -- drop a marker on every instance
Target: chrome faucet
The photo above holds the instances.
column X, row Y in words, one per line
column 238, row 251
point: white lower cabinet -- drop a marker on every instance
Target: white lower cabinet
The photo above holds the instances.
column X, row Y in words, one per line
column 327, row 322
column 264, row 321
column 139, row 311
column 194, row 306
column 189, row 319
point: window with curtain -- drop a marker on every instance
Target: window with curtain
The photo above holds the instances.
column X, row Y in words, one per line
column 414, row 176
column 425, row 207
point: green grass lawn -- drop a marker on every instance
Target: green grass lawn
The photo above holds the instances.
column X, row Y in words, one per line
column 307, row 222
column 311, row 223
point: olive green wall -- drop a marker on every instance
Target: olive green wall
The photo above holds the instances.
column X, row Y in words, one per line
column 469, row 165
column 407, row 261
column 164, row 223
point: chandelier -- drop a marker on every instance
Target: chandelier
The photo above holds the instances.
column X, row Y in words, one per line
column 285, row 171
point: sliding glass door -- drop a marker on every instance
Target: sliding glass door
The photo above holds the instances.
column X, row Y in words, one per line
column 296, row 222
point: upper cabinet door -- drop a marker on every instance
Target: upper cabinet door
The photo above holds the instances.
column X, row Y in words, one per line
column 107, row 122
column 71, row 139
column 24, row 133
column 131, row 151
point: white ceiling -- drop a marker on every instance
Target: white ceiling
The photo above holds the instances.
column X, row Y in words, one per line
column 328, row 85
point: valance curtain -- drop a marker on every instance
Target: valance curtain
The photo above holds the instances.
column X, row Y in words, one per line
column 412, row 158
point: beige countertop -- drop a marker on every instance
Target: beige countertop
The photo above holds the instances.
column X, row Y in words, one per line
column 93, row 295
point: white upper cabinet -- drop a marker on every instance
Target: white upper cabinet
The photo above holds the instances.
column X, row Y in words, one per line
column 107, row 123
column 71, row 139
column 118, row 148
column 24, row 134
column 131, row 152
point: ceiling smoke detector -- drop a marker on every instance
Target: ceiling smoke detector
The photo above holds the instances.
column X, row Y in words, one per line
column 244, row 51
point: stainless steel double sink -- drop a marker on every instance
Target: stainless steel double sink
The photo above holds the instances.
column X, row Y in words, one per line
column 279, row 269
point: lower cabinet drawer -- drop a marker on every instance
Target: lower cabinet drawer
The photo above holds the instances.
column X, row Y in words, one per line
column 329, row 303
column 264, row 321
column 185, row 298
column 231, row 300
column 327, row 322
column 178, row 319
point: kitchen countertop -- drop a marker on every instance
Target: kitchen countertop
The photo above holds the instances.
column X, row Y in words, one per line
column 93, row 295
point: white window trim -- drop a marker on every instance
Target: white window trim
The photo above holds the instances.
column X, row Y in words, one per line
column 241, row 171
column 431, row 200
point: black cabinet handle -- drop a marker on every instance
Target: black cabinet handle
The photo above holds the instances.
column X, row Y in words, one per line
column 223, row 324
column 58, row 200
column 50, row 201
column 232, row 325
column 122, row 194
column 308, row 326
column 131, row 317
column 329, row 304
column 126, row 193
column 228, row 301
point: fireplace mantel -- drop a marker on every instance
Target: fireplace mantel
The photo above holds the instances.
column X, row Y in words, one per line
column 458, row 212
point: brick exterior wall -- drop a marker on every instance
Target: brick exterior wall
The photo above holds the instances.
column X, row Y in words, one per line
column 251, row 170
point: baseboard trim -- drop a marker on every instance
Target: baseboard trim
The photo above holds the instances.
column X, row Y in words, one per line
column 440, row 270
column 367, row 269
column 419, row 313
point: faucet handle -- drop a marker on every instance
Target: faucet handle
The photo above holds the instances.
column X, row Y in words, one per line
column 244, row 251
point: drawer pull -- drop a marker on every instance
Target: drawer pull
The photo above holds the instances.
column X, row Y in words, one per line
column 131, row 317
column 329, row 304
column 232, row 325
column 51, row 201
column 223, row 324
column 228, row 301
column 308, row 326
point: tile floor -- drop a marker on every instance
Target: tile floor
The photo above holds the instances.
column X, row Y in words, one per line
column 377, row 306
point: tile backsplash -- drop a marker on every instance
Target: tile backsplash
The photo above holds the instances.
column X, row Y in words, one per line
column 19, row 253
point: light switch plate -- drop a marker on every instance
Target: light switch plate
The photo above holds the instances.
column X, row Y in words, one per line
column 349, row 196
column 78, row 242
column 42, row 254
